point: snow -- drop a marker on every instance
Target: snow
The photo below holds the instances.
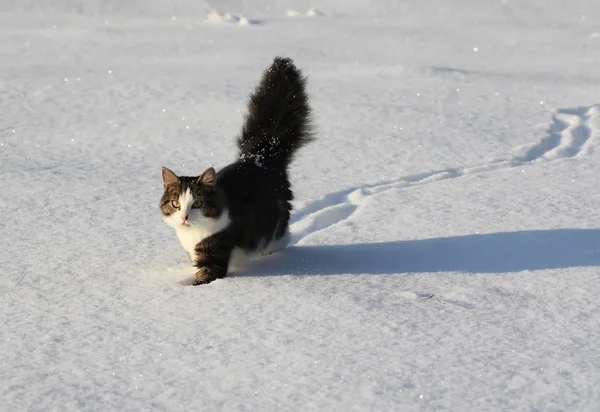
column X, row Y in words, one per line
column 445, row 240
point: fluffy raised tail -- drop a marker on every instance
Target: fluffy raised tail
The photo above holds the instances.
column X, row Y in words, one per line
column 278, row 120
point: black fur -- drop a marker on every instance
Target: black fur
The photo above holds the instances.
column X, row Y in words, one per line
column 277, row 123
column 255, row 189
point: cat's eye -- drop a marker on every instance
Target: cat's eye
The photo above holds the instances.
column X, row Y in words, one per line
column 175, row 204
column 197, row 204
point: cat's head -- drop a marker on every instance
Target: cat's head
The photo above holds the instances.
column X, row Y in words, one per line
column 191, row 201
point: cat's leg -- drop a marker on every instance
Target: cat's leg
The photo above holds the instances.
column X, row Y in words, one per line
column 212, row 257
column 279, row 244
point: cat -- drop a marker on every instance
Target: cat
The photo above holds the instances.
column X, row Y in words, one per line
column 246, row 206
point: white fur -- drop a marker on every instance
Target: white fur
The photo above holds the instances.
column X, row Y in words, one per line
column 240, row 258
column 277, row 245
column 198, row 227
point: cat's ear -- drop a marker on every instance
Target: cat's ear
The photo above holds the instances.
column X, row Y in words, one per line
column 169, row 178
column 208, row 178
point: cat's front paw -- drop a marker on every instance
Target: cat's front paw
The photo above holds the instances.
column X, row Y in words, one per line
column 205, row 275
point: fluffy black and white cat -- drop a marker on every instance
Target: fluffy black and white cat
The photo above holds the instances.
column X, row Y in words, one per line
column 245, row 207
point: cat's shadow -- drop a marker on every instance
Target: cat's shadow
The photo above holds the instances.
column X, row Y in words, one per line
column 492, row 253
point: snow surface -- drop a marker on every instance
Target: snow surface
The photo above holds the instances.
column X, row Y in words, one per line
column 446, row 234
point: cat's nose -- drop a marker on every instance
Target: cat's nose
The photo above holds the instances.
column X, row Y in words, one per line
column 184, row 218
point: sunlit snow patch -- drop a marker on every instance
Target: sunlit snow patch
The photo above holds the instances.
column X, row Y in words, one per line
column 214, row 16
column 312, row 12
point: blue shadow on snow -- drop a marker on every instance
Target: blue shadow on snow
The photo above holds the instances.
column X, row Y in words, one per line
column 481, row 253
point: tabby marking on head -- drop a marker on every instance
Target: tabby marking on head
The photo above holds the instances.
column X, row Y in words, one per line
column 192, row 208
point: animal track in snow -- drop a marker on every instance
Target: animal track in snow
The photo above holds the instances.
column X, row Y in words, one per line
column 573, row 132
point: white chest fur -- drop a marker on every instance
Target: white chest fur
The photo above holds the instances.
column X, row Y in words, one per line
column 190, row 236
column 191, row 226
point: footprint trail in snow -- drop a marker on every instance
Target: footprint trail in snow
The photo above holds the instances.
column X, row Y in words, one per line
column 573, row 132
